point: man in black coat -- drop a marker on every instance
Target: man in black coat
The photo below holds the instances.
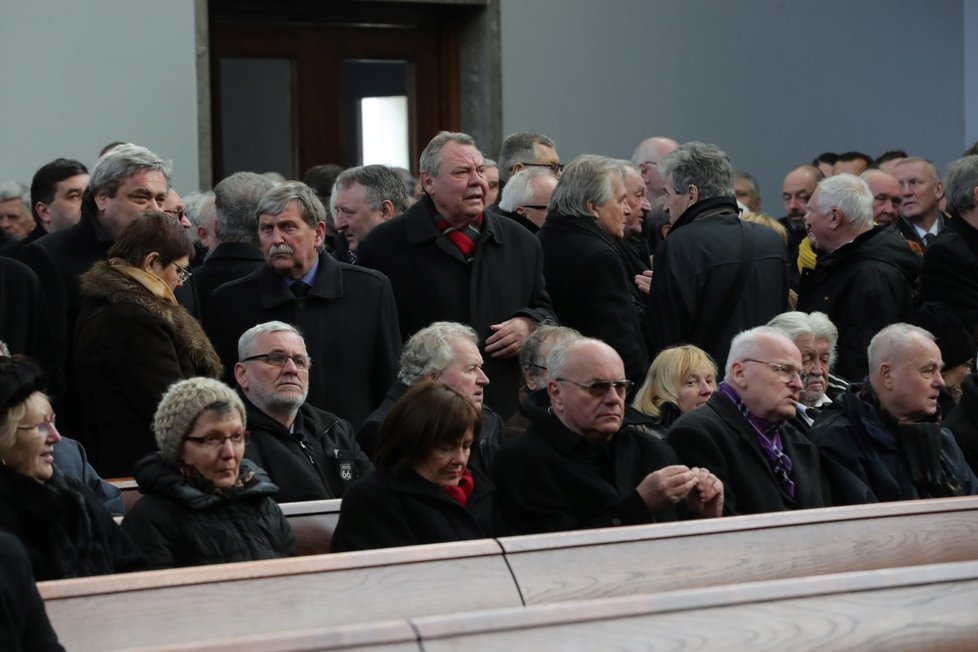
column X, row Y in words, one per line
column 234, row 247
column 864, row 279
column 311, row 454
column 742, row 434
column 714, row 275
column 346, row 313
column 921, row 219
column 576, row 467
column 448, row 260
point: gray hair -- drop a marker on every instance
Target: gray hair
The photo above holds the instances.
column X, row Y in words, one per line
column 429, row 351
column 519, row 189
column 929, row 164
column 585, row 180
column 4, row 350
column 962, row 178
column 748, row 344
column 795, row 323
column 557, row 360
column 431, row 156
column 277, row 199
column 850, row 195
column 740, row 175
column 247, row 339
column 489, row 162
column 530, row 351
column 120, row 163
column 893, row 343
column 381, row 183
column 16, row 190
column 517, row 148
column 236, row 203
column 698, row 164
column 193, row 205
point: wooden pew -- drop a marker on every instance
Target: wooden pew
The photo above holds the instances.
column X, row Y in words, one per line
column 919, row 607
column 129, row 489
column 313, row 523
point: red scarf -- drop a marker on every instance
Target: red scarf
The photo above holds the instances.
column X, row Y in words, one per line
column 461, row 493
column 463, row 238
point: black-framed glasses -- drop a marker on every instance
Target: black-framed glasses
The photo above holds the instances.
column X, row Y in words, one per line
column 786, row 372
column 182, row 272
column 539, row 207
column 556, row 168
column 216, row 442
column 600, row 388
column 278, row 359
column 43, row 428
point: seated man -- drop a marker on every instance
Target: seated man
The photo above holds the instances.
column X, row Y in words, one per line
column 577, row 467
column 447, row 352
column 311, row 454
column 882, row 440
column 742, row 434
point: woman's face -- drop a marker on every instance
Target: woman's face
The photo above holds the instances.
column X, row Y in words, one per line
column 172, row 274
column 209, row 450
column 696, row 389
column 445, row 464
column 33, row 451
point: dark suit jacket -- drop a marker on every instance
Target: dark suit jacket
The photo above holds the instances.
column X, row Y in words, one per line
column 718, row 437
column 228, row 262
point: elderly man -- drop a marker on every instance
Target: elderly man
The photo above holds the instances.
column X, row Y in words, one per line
column 796, row 190
column 311, row 454
column 921, row 220
column 346, row 312
column 950, row 271
column 886, row 195
column 646, row 156
column 447, row 352
column 533, row 362
column 746, row 191
column 715, row 275
column 365, row 197
column 15, row 210
column 126, row 181
column 883, row 440
column 450, row 260
column 526, row 197
column 864, row 279
column 578, row 468
column 743, row 433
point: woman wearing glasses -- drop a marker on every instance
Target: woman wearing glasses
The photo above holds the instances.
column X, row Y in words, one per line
column 134, row 340
column 204, row 503
column 64, row 527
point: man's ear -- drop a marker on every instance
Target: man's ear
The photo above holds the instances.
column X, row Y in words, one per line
column 693, row 193
column 556, row 400
column 886, row 375
column 387, row 209
column 241, row 376
column 737, row 375
column 44, row 214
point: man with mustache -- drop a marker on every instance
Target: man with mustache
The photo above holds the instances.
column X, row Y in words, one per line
column 345, row 312
column 883, row 440
column 577, row 467
column 743, row 434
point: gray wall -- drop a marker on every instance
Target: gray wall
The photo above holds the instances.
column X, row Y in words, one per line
column 79, row 75
column 773, row 82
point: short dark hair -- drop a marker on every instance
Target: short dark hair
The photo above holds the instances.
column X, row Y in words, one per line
column 889, row 155
column 322, row 177
column 48, row 176
column 830, row 158
column 152, row 231
column 846, row 157
column 430, row 413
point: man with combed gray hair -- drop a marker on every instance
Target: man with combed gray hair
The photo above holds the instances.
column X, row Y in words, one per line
column 311, row 454
column 865, row 276
column 715, row 275
column 526, row 197
column 950, row 271
column 347, row 312
column 744, row 435
column 646, row 156
column 447, row 352
column 365, row 197
column 16, row 218
column 883, row 440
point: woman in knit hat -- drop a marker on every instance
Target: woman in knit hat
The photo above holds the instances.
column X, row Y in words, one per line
column 204, row 503
column 134, row 340
column 64, row 527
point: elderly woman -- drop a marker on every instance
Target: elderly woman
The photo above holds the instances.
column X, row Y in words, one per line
column 421, row 490
column 134, row 340
column 679, row 380
column 203, row 503
column 64, row 527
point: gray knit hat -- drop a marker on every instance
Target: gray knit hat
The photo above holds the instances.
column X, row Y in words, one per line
column 180, row 407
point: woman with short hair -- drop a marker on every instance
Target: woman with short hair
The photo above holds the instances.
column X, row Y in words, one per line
column 679, row 380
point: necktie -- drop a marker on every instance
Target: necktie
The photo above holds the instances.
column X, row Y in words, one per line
column 928, row 239
column 300, row 289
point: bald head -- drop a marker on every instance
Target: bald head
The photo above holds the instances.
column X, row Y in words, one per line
column 886, row 195
column 647, row 156
column 576, row 371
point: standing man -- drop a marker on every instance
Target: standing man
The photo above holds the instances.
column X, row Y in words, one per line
column 525, row 149
column 15, row 217
column 450, row 260
column 347, row 313
column 526, row 197
column 886, row 195
column 797, row 189
column 56, row 194
column 921, row 219
column 647, row 156
column 365, row 197
column 715, row 275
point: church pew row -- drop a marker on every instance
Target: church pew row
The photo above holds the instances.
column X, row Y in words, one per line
column 341, row 589
column 921, row 607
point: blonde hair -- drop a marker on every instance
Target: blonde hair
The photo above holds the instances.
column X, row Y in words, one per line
column 8, row 428
column 768, row 221
column 666, row 375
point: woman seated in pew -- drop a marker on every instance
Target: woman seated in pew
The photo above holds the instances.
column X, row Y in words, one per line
column 679, row 380
column 422, row 490
column 204, row 503
column 63, row 525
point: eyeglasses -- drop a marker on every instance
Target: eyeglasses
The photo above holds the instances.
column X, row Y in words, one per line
column 182, row 272
column 43, row 428
column 277, row 359
column 556, row 168
column 600, row 387
column 176, row 213
column 786, row 372
column 539, row 207
column 216, row 442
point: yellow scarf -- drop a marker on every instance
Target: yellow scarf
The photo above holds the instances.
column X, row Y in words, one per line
column 148, row 280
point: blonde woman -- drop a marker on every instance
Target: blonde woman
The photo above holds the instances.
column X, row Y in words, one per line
column 679, row 380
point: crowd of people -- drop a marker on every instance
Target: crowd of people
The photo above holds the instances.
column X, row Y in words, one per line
column 608, row 342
